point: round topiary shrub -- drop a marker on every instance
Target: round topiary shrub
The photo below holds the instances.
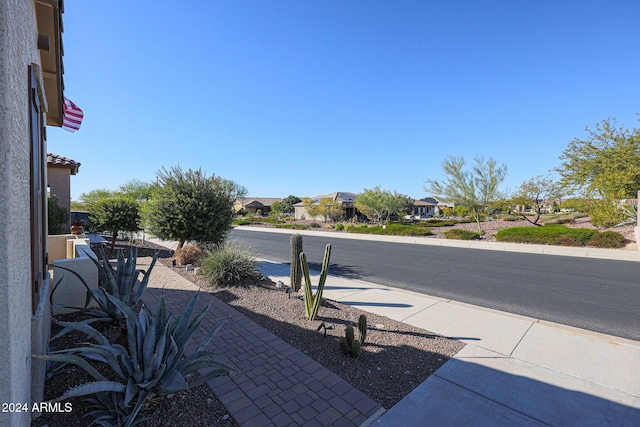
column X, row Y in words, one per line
column 607, row 239
column 459, row 234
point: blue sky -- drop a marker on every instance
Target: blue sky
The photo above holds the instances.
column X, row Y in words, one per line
column 311, row 97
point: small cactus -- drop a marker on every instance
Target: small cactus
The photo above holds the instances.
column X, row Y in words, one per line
column 349, row 344
column 352, row 343
column 296, row 269
column 362, row 328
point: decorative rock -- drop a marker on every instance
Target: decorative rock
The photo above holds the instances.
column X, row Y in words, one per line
column 189, row 267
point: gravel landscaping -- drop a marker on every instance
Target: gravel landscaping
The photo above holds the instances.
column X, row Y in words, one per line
column 395, row 358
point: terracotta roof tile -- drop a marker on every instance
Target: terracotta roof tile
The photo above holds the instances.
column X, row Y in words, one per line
column 61, row 161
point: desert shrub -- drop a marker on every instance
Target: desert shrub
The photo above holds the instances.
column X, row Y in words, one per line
column 339, row 226
column 392, row 229
column 460, row 234
column 314, row 225
column 327, row 227
column 562, row 220
column 510, row 218
column 446, row 211
column 189, row 254
column 229, row 263
column 607, row 239
column 549, row 234
column 606, row 213
column 242, row 222
column 437, row 223
column 293, row 226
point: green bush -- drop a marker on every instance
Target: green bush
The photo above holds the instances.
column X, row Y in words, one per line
column 242, row 222
column 606, row 213
column 459, row 234
column 293, row 226
column 339, row 226
column 436, row 223
column 229, row 264
column 549, row 234
column 315, row 225
column 391, row 229
column 607, row 239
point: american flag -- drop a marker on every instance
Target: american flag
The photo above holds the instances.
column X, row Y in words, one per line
column 72, row 116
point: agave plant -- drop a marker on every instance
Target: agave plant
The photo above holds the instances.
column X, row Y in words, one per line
column 153, row 366
column 118, row 281
column 631, row 213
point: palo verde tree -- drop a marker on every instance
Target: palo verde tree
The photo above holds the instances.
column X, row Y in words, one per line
column 473, row 189
column 115, row 214
column 535, row 192
column 378, row 204
column 189, row 205
column 605, row 164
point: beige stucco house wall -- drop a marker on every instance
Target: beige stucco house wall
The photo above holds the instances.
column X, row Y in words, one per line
column 59, row 171
column 18, row 51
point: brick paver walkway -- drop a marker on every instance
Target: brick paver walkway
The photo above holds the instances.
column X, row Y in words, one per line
column 274, row 383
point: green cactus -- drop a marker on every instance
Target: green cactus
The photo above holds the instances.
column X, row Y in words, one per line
column 311, row 301
column 352, row 343
column 296, row 269
column 362, row 328
column 349, row 344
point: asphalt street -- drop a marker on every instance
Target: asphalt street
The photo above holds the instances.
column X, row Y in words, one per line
column 594, row 294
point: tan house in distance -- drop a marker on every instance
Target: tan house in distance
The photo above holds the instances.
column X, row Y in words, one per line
column 342, row 197
column 59, row 171
column 255, row 204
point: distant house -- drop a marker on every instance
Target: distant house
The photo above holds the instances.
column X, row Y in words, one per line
column 429, row 207
column 59, row 171
column 344, row 198
column 253, row 205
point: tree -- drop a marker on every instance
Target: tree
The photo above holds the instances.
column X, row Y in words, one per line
column 87, row 199
column 605, row 164
column 472, row 189
column 115, row 214
column 378, row 204
column 192, row 206
column 286, row 206
column 331, row 209
column 137, row 190
column 326, row 208
column 311, row 206
column 534, row 192
column 57, row 216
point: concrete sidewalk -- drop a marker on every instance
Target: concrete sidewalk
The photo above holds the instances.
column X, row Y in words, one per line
column 514, row 370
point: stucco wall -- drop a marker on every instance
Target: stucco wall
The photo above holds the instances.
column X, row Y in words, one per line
column 18, row 49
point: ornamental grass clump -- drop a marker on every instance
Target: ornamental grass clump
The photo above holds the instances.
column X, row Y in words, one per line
column 229, row 264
